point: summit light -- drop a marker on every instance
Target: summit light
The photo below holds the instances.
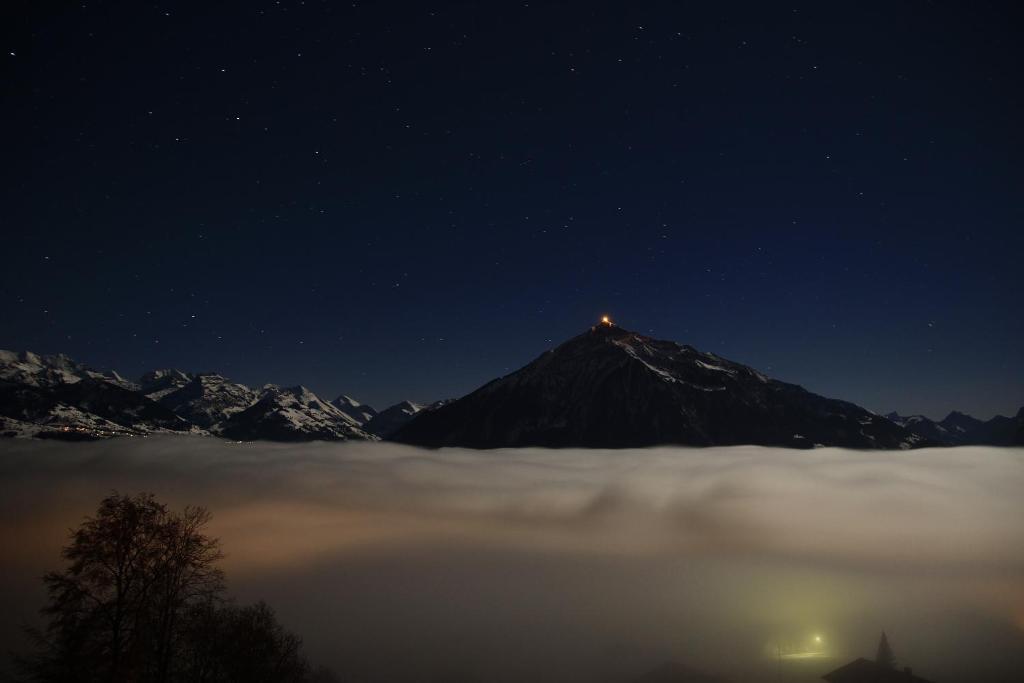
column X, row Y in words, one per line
column 605, row 320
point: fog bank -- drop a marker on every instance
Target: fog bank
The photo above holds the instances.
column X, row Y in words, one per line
column 400, row 564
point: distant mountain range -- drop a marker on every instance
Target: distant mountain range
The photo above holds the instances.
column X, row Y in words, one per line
column 959, row 429
column 390, row 420
column 612, row 388
column 58, row 398
column 606, row 388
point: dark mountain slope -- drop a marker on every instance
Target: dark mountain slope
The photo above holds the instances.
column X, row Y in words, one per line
column 388, row 421
column 612, row 388
column 958, row 429
column 88, row 408
column 925, row 428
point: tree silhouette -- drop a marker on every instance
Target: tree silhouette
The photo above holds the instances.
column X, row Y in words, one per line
column 884, row 656
column 141, row 601
column 131, row 571
column 226, row 643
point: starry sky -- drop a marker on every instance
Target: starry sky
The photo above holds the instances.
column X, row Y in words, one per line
column 402, row 201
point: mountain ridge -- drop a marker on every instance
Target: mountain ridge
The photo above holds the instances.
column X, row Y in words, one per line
column 55, row 397
column 38, row 398
column 611, row 387
column 960, row 429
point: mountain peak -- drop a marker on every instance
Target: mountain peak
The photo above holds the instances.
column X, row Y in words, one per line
column 292, row 414
column 960, row 423
column 391, row 419
column 40, row 370
column 354, row 409
column 344, row 400
column 607, row 329
column 611, row 388
column 162, row 373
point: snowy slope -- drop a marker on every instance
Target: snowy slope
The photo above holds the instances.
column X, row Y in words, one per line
column 359, row 412
column 158, row 383
column 87, row 408
column 55, row 397
column 210, row 398
column 46, row 371
column 291, row 414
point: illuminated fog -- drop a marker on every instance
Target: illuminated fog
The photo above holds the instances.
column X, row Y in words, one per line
column 396, row 563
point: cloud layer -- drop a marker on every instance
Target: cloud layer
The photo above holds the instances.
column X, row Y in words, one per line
column 397, row 563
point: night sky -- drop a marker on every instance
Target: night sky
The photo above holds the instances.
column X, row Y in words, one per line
column 405, row 201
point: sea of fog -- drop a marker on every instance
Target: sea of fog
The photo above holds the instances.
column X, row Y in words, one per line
column 400, row 564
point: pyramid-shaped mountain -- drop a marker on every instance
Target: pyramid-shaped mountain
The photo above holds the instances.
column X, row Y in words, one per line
column 612, row 388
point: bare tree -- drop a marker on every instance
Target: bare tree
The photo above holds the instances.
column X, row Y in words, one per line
column 141, row 601
column 132, row 570
column 186, row 576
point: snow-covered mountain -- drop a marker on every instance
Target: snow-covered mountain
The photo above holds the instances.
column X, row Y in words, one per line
column 82, row 409
column 36, row 370
column 606, row 387
column 357, row 411
column 209, row 399
column 55, row 397
column 158, row 383
column 291, row 414
column 610, row 387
